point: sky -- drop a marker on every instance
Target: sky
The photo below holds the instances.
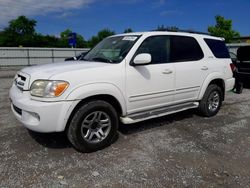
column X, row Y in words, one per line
column 87, row 17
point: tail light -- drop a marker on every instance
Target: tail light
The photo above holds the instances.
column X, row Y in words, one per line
column 233, row 67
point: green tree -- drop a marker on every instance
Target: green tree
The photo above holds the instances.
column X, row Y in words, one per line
column 128, row 30
column 21, row 31
column 100, row 36
column 64, row 37
column 223, row 28
column 3, row 39
column 160, row 28
column 22, row 26
column 45, row 41
column 165, row 28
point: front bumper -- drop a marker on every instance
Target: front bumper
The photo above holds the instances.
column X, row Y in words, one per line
column 40, row 116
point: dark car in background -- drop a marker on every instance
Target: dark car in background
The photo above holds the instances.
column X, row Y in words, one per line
column 242, row 68
column 233, row 57
column 77, row 57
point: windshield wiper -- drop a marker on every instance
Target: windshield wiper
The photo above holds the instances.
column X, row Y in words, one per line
column 102, row 59
column 83, row 59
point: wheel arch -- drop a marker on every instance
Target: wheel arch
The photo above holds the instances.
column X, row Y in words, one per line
column 103, row 97
column 213, row 79
column 220, row 83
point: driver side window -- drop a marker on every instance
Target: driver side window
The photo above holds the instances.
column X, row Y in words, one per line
column 158, row 47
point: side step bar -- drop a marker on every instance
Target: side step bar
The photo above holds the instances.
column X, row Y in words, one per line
column 141, row 116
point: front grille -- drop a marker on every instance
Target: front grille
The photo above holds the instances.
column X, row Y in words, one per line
column 20, row 81
column 17, row 110
column 22, row 77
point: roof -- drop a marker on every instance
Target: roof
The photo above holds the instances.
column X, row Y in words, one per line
column 179, row 32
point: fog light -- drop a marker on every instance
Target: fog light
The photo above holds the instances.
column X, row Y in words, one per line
column 31, row 118
column 35, row 115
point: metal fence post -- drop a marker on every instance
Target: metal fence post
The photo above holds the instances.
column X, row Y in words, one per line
column 28, row 56
column 52, row 51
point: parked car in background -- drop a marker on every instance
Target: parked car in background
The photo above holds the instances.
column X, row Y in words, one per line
column 77, row 57
column 242, row 70
column 233, row 57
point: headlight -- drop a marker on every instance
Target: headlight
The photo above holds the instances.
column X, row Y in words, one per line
column 48, row 88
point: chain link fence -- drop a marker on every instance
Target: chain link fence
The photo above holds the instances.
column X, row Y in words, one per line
column 35, row 56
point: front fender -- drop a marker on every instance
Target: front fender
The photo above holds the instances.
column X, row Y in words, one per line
column 208, row 80
column 94, row 89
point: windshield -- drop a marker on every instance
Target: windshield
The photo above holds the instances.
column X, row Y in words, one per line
column 112, row 49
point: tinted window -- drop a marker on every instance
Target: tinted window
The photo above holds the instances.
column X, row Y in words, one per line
column 157, row 47
column 218, row 48
column 184, row 49
column 243, row 53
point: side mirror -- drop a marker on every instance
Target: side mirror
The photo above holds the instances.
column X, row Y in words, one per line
column 142, row 59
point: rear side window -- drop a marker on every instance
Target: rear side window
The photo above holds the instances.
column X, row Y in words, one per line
column 184, row 48
column 218, row 48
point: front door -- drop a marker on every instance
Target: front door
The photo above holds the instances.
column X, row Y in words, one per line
column 151, row 86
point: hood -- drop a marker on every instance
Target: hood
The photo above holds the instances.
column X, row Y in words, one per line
column 48, row 70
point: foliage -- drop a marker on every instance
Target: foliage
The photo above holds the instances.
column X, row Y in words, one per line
column 160, row 28
column 223, row 28
column 99, row 37
column 168, row 28
column 20, row 31
column 63, row 40
column 21, row 26
column 128, row 30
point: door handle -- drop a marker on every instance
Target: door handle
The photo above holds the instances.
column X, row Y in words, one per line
column 167, row 71
column 204, row 68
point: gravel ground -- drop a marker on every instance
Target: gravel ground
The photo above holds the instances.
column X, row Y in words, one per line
column 181, row 150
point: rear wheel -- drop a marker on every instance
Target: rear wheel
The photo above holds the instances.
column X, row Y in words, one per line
column 93, row 126
column 211, row 101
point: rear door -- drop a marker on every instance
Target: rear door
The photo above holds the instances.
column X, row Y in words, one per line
column 190, row 66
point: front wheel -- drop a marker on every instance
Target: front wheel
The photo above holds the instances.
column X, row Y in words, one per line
column 211, row 101
column 93, row 126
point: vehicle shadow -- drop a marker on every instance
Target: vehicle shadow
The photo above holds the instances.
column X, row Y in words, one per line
column 51, row 140
column 60, row 141
column 246, row 85
column 156, row 122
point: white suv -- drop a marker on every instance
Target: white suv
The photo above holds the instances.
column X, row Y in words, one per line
column 128, row 78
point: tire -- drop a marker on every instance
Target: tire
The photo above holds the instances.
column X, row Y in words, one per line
column 238, row 87
column 93, row 126
column 211, row 101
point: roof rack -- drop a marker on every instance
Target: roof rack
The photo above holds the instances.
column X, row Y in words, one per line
column 182, row 30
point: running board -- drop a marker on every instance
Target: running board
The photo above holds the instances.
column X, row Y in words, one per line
column 141, row 116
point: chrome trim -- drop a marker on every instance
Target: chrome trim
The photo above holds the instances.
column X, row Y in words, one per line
column 185, row 88
column 154, row 113
column 150, row 95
